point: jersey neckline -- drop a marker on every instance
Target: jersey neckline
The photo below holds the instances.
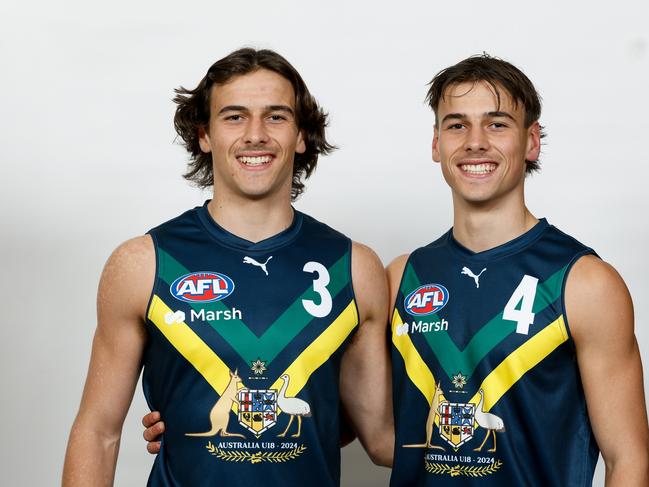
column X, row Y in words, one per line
column 508, row 248
column 231, row 240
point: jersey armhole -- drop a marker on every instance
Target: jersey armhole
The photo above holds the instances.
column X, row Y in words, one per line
column 394, row 305
column 564, row 312
column 158, row 269
column 351, row 282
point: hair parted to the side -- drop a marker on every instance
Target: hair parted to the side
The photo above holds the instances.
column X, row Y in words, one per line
column 193, row 112
column 499, row 75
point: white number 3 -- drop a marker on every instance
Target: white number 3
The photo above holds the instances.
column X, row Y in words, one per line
column 320, row 286
column 524, row 294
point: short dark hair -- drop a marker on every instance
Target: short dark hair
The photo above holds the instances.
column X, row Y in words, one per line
column 193, row 113
column 498, row 74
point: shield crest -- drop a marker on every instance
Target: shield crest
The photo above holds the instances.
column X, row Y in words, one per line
column 456, row 422
column 257, row 409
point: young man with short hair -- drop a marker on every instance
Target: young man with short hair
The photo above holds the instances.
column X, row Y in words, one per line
column 514, row 357
column 251, row 320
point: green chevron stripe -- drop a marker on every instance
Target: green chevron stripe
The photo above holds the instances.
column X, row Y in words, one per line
column 491, row 334
column 280, row 333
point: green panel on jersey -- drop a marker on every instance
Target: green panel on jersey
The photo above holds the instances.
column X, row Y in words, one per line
column 285, row 328
column 491, row 334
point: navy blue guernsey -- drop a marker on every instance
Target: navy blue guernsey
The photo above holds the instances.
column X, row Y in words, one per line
column 244, row 350
column 487, row 390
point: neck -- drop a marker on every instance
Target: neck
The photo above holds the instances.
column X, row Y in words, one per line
column 253, row 220
column 483, row 227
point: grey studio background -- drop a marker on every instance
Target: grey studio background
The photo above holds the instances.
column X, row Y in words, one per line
column 88, row 160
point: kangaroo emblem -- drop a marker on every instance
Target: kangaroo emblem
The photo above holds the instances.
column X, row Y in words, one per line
column 469, row 272
column 220, row 413
column 250, row 260
column 430, row 420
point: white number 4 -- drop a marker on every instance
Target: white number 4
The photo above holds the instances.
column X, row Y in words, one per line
column 524, row 294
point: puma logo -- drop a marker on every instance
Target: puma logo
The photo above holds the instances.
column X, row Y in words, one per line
column 250, row 260
column 469, row 272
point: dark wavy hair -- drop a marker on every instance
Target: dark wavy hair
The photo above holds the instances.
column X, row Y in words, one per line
column 499, row 75
column 193, row 113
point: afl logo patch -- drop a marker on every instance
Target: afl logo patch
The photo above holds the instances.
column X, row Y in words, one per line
column 426, row 299
column 202, row 287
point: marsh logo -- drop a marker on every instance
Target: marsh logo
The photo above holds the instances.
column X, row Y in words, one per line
column 402, row 329
column 172, row 317
column 202, row 287
column 426, row 300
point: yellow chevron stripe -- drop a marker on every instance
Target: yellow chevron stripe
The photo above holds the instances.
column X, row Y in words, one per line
column 313, row 356
column 520, row 361
column 417, row 370
column 217, row 374
column 190, row 346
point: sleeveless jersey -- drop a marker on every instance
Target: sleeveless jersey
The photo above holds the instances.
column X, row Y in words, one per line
column 486, row 386
column 243, row 355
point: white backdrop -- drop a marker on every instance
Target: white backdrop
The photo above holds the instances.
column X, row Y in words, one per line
column 87, row 157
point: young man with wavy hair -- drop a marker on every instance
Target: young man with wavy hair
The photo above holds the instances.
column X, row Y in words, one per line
column 514, row 356
column 251, row 320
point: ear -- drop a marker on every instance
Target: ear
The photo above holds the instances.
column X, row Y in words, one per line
column 204, row 140
column 436, row 155
column 533, row 148
column 300, row 146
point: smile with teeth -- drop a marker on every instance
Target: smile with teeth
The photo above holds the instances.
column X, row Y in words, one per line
column 255, row 161
column 485, row 168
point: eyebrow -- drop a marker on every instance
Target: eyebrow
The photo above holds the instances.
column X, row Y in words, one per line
column 269, row 108
column 501, row 114
column 452, row 116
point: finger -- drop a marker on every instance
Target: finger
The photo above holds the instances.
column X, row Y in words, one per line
column 150, row 419
column 153, row 432
column 153, row 447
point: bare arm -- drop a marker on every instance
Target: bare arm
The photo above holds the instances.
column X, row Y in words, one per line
column 600, row 315
column 114, row 365
column 365, row 384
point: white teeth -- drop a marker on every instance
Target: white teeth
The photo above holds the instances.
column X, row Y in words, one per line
column 478, row 168
column 255, row 161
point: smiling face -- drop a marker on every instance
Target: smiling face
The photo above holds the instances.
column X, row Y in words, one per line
column 482, row 145
column 253, row 136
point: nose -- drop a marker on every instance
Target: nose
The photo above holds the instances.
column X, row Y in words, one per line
column 476, row 140
column 255, row 131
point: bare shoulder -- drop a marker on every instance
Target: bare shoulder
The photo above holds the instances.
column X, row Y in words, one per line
column 596, row 298
column 128, row 276
column 366, row 265
column 368, row 277
column 395, row 272
column 396, row 267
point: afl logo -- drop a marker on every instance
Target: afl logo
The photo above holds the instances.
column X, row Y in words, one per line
column 426, row 299
column 202, row 287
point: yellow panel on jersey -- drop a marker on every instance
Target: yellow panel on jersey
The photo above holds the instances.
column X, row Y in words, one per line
column 190, row 346
column 521, row 360
column 319, row 350
column 416, row 368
